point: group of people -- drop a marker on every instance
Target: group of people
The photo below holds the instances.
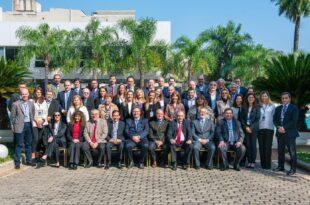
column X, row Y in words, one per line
column 157, row 119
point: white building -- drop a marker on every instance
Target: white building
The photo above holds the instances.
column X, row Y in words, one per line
column 30, row 13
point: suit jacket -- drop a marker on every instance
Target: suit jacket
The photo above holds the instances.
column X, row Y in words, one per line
column 202, row 90
column 61, row 99
column 15, row 97
column 166, row 94
column 54, row 107
column 208, row 99
column 185, row 103
column 89, row 104
column 125, row 111
column 173, row 130
column 102, row 110
column 61, row 134
column 243, row 91
column 115, row 88
column 94, row 93
column 158, row 132
column 290, row 120
column 254, row 119
column 17, row 115
column 147, row 110
column 69, row 133
column 56, row 91
column 101, row 131
column 80, row 92
column 141, row 130
column 134, row 88
column 222, row 133
column 120, row 130
column 98, row 101
column 205, row 132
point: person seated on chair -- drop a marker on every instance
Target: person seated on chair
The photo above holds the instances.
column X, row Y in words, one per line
column 203, row 136
column 75, row 136
column 115, row 137
column 95, row 134
column 56, row 138
column 179, row 135
column 230, row 137
column 157, row 136
column 136, row 131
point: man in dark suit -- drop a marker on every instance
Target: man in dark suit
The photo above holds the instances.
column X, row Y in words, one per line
column 230, row 136
column 77, row 87
column 112, row 87
column 130, row 84
column 203, row 136
column 285, row 119
column 201, row 87
column 88, row 102
column 212, row 96
column 179, row 135
column 150, row 87
column 52, row 104
column 191, row 86
column 172, row 83
column 136, row 131
column 240, row 90
column 94, row 89
column 115, row 137
column 190, row 100
column 157, row 136
column 65, row 98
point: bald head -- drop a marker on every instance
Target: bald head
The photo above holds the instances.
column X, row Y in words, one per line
column 25, row 94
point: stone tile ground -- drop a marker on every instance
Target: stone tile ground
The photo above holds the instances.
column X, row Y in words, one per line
column 152, row 186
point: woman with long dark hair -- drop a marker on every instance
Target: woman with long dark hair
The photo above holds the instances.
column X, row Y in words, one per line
column 250, row 115
column 236, row 107
column 120, row 97
column 100, row 100
column 174, row 107
column 150, row 106
column 75, row 137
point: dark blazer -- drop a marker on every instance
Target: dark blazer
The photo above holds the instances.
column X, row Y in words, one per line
column 147, row 111
column 120, row 130
column 94, row 93
column 98, row 101
column 290, row 120
column 117, row 102
column 208, row 99
column 205, row 132
column 254, row 119
column 80, row 92
column 15, row 97
column 115, row 88
column 158, row 132
column 89, row 104
column 142, row 128
column 54, row 107
column 185, row 103
column 203, row 89
column 61, row 99
column 69, row 133
column 173, row 130
column 166, row 94
column 243, row 91
column 222, row 130
column 125, row 111
column 61, row 135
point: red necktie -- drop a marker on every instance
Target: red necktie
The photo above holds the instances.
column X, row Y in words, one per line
column 179, row 133
column 93, row 138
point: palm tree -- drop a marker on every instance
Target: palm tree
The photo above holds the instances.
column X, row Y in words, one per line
column 42, row 42
column 287, row 73
column 144, row 53
column 225, row 43
column 294, row 10
column 98, row 45
column 191, row 56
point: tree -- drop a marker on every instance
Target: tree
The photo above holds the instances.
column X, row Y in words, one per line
column 41, row 42
column 294, row 10
column 143, row 52
column 287, row 73
column 10, row 74
column 97, row 46
column 225, row 43
column 252, row 62
column 191, row 56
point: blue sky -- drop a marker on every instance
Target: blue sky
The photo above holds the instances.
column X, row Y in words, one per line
column 258, row 17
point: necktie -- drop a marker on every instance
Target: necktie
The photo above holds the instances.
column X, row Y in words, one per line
column 283, row 112
column 179, row 133
column 202, row 123
column 136, row 123
column 93, row 138
column 66, row 100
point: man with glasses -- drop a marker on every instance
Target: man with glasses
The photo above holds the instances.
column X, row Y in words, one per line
column 240, row 90
column 130, row 84
column 65, row 98
column 56, row 86
column 112, row 87
column 94, row 89
column 77, row 87
column 212, row 96
column 285, row 119
column 201, row 87
column 88, row 102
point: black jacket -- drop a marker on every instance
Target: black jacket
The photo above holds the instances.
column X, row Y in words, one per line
column 69, row 133
column 173, row 130
column 120, row 130
column 289, row 122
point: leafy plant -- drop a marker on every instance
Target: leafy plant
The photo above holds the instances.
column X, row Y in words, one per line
column 289, row 73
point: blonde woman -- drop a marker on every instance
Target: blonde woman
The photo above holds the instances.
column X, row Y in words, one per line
column 266, row 129
column 139, row 99
column 77, row 105
column 223, row 103
column 107, row 109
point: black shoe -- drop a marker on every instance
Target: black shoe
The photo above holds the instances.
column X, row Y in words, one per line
column 119, row 165
column 279, row 169
column 71, row 166
column 17, row 166
column 174, row 166
column 237, row 168
column 290, row 172
column 185, row 167
column 197, row 167
column 100, row 165
column 209, row 168
column 31, row 163
column 131, row 164
column 107, row 166
column 141, row 166
column 223, row 168
column 89, row 165
column 75, row 167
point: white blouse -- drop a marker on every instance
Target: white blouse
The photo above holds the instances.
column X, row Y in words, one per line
column 40, row 112
column 266, row 117
column 71, row 111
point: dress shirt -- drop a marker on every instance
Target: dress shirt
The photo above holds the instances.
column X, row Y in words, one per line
column 25, row 107
column 232, row 137
column 182, row 135
column 266, row 117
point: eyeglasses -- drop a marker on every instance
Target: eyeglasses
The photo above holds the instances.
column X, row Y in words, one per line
column 57, row 115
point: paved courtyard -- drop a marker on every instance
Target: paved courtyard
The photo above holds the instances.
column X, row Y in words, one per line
column 152, row 186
